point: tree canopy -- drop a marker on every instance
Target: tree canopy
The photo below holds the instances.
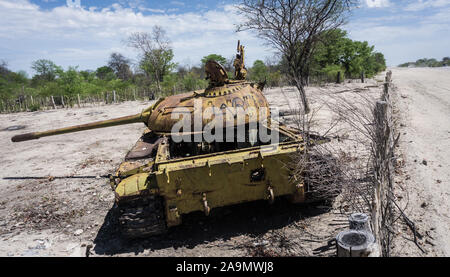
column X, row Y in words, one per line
column 336, row 52
column 428, row 63
column 45, row 69
column 218, row 58
column 156, row 53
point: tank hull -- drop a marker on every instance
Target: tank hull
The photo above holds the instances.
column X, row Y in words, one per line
column 208, row 181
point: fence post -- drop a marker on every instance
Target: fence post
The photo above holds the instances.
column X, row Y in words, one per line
column 383, row 167
column 362, row 76
column 389, row 76
column 379, row 116
column 386, row 92
column 338, row 79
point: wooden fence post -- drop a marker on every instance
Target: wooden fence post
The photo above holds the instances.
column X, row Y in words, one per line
column 382, row 211
column 380, row 117
column 389, row 76
column 386, row 92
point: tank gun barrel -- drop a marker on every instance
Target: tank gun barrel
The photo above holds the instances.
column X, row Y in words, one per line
column 142, row 117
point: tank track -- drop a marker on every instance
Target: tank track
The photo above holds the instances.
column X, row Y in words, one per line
column 142, row 217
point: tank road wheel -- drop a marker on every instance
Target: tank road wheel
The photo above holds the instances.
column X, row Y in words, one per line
column 142, row 217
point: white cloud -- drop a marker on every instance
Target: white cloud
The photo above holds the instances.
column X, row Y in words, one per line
column 404, row 37
column 86, row 36
column 177, row 3
column 377, row 3
column 423, row 4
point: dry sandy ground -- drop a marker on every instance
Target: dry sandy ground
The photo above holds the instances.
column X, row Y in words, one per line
column 67, row 217
column 39, row 217
column 423, row 99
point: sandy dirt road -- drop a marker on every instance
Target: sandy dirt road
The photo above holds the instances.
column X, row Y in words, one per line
column 424, row 113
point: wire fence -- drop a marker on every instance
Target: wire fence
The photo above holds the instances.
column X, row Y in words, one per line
column 29, row 103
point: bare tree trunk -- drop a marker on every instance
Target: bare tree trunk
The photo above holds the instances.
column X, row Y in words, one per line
column 159, row 85
column 53, row 102
column 302, row 92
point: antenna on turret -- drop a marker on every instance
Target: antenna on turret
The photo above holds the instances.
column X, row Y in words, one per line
column 240, row 71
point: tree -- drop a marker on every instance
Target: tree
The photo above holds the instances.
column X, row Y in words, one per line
column 446, row 61
column 69, row 81
column 105, row 73
column 192, row 81
column 259, row 71
column 45, row 69
column 329, row 50
column 293, row 28
column 120, row 65
column 335, row 53
column 4, row 68
column 157, row 64
column 380, row 62
column 156, row 53
column 218, row 58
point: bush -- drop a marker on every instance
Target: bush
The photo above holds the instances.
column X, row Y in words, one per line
column 34, row 107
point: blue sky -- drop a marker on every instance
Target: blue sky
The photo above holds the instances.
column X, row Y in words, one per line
column 85, row 33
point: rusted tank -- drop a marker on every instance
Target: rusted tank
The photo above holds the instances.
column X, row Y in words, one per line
column 161, row 178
